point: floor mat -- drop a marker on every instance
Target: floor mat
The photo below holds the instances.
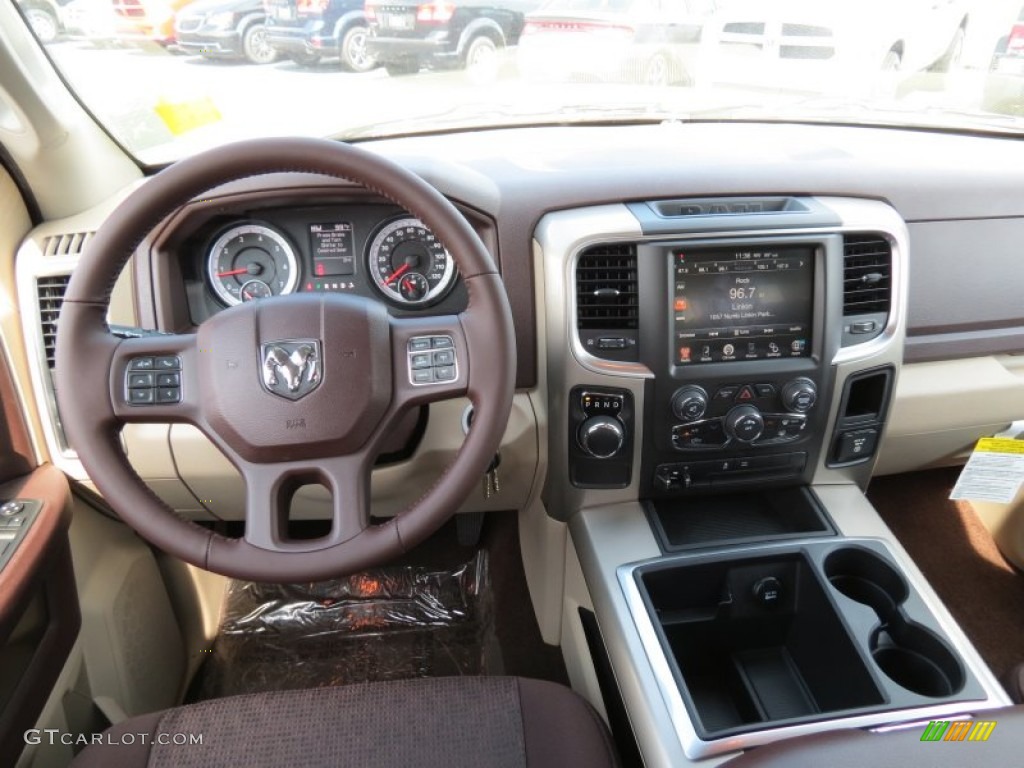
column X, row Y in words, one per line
column 954, row 550
column 388, row 623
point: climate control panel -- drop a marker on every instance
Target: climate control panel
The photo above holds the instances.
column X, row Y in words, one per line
column 756, row 414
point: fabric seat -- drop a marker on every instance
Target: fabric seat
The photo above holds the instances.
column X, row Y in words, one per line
column 475, row 722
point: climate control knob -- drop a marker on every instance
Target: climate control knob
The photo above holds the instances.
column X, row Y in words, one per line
column 601, row 436
column 799, row 395
column 744, row 422
column 689, row 403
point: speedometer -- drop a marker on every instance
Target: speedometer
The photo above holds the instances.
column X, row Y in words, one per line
column 408, row 263
column 251, row 261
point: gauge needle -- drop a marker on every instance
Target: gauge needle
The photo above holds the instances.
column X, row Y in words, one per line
column 397, row 274
column 229, row 273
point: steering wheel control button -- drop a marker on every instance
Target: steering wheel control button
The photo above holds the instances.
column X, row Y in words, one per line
column 10, row 508
column 168, row 395
column 420, row 344
column 444, row 357
column 432, row 360
column 141, row 396
column 137, row 380
column 422, row 360
column 145, row 384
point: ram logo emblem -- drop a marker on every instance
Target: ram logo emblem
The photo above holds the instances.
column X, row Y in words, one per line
column 291, row 368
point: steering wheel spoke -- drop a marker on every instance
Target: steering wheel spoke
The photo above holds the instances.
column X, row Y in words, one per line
column 269, row 490
column 152, row 379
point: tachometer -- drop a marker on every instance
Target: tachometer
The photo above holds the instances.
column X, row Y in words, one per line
column 408, row 263
column 250, row 261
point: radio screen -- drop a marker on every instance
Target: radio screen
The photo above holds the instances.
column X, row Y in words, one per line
column 742, row 303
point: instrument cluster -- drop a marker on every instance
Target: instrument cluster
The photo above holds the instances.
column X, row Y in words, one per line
column 369, row 250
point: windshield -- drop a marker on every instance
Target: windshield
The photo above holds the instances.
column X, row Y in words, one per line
column 170, row 77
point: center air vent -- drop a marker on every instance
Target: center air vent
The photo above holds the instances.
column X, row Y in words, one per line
column 50, row 291
column 607, row 305
column 867, row 272
column 867, row 286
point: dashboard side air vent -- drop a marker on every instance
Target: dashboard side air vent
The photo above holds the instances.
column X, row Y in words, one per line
column 50, row 290
column 867, row 286
column 607, row 302
column 66, row 243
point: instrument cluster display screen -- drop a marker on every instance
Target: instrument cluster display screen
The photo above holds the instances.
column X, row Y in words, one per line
column 741, row 303
column 333, row 250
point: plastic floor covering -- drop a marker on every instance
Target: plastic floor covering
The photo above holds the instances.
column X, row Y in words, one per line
column 384, row 624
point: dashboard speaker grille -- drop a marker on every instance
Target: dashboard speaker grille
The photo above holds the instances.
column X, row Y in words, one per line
column 50, row 290
column 867, row 274
column 606, row 288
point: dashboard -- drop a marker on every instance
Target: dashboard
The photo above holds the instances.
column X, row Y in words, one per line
column 733, row 353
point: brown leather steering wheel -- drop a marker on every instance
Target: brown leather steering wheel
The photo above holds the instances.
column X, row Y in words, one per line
column 346, row 357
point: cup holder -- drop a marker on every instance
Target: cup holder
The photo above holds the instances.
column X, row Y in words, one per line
column 866, row 578
column 914, row 658
column 910, row 655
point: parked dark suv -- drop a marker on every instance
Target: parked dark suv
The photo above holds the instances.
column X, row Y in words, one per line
column 443, row 34
column 306, row 31
column 225, row 29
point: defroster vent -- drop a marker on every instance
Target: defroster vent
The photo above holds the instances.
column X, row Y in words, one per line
column 50, row 290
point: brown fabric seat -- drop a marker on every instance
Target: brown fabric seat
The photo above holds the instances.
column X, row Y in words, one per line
column 475, row 722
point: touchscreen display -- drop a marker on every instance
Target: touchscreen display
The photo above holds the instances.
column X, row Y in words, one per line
column 742, row 303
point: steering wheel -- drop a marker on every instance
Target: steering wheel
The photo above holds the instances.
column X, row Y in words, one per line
column 293, row 389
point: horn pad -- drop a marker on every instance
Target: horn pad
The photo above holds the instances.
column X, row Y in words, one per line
column 296, row 377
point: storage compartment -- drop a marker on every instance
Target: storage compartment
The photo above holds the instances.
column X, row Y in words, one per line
column 757, row 641
column 793, row 634
column 703, row 521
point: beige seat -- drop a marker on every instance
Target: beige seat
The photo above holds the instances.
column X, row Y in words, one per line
column 455, row 722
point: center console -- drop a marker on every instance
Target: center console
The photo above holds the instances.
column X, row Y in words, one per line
column 718, row 409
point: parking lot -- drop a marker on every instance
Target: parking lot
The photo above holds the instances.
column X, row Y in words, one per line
column 133, row 87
